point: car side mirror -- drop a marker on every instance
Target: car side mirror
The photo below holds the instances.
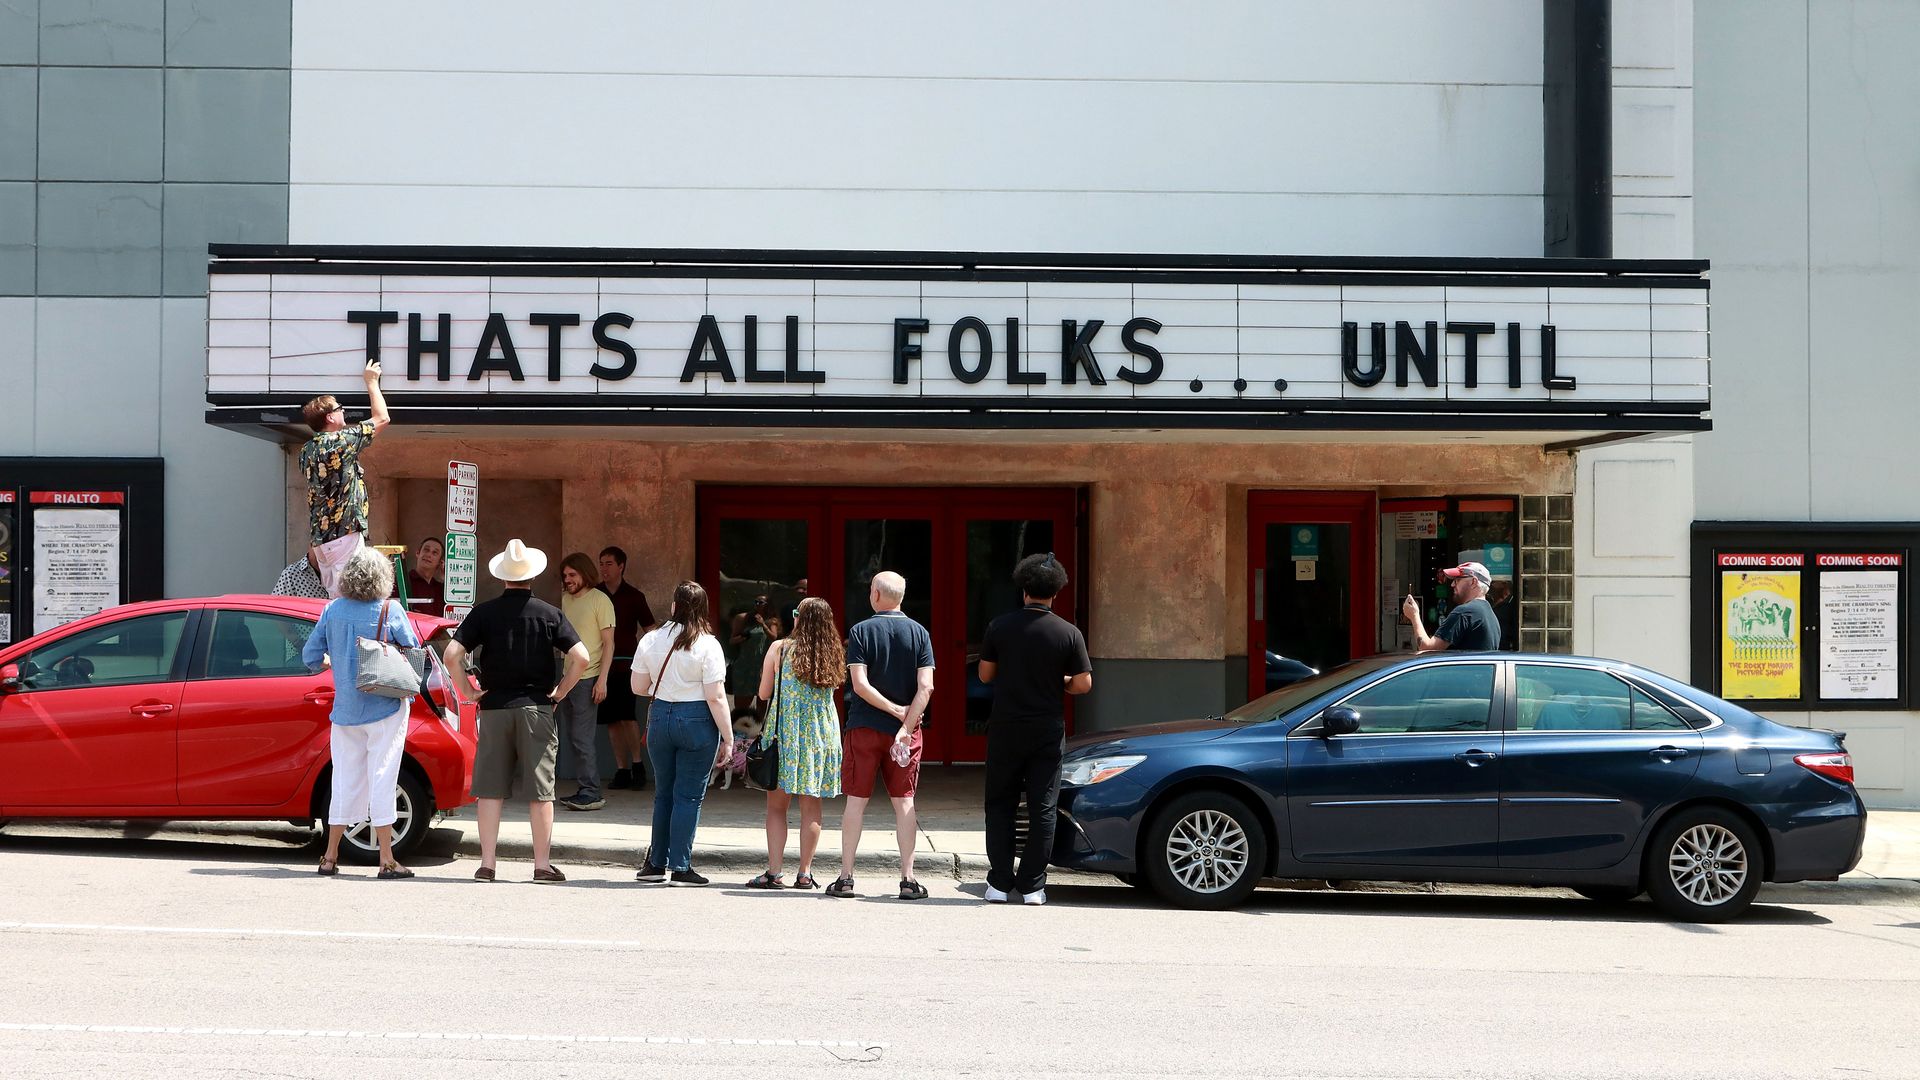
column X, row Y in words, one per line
column 9, row 679
column 1339, row 720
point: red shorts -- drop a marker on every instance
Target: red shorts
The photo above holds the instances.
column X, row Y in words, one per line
column 867, row 753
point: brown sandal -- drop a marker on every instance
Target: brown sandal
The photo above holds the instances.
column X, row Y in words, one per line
column 393, row 872
column 329, row 867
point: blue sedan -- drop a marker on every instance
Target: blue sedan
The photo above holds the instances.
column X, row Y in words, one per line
column 1477, row 767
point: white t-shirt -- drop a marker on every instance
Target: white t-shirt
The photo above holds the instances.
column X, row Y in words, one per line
column 689, row 670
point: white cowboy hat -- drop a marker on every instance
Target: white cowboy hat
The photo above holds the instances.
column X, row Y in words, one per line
column 518, row 563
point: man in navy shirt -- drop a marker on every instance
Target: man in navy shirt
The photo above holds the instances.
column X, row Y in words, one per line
column 1034, row 659
column 890, row 671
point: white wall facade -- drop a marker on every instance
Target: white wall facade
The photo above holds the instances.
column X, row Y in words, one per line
column 1394, row 127
column 1808, row 163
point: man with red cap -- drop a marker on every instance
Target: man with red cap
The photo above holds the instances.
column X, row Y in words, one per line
column 1471, row 625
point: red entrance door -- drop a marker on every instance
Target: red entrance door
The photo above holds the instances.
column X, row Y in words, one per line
column 955, row 546
column 1310, row 572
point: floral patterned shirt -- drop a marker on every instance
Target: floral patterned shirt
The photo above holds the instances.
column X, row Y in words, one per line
column 336, row 486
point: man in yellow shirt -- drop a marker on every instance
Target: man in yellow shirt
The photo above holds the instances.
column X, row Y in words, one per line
column 590, row 613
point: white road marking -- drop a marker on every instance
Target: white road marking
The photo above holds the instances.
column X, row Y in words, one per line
column 342, row 935
column 443, row 1036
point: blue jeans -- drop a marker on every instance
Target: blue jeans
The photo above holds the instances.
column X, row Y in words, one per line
column 681, row 743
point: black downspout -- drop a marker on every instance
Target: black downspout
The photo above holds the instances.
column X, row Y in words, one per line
column 1577, row 125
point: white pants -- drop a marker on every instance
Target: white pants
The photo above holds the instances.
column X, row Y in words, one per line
column 332, row 556
column 366, row 767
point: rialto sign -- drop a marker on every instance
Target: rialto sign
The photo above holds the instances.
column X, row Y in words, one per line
column 904, row 338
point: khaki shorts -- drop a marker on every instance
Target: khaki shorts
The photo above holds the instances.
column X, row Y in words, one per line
column 523, row 741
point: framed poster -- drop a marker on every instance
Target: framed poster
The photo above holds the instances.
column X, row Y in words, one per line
column 9, row 565
column 1859, row 627
column 77, row 552
column 1760, row 647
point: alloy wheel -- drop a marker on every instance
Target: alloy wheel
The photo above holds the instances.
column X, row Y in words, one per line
column 362, row 837
column 1207, row 851
column 1708, row 864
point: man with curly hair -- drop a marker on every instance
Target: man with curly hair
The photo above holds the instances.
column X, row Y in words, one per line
column 336, row 485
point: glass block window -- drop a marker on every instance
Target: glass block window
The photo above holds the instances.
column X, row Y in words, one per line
column 1546, row 573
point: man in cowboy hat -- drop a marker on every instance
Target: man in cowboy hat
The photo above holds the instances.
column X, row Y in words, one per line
column 518, row 636
column 1471, row 625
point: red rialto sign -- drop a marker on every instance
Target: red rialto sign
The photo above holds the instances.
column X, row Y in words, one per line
column 78, row 498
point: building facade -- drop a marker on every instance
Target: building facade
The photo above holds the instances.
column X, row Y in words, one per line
column 1114, row 139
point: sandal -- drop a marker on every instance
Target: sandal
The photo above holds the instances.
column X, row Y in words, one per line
column 805, row 881
column 393, row 872
column 912, row 890
column 841, row 888
column 766, row 881
column 329, row 867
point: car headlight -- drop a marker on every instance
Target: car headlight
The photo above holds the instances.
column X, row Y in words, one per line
column 1093, row 770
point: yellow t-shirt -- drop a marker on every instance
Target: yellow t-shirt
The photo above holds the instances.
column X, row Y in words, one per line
column 590, row 613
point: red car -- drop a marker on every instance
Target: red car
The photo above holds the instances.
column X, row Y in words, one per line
column 202, row 709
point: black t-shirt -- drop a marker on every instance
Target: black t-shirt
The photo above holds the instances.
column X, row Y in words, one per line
column 519, row 638
column 894, row 648
column 1033, row 651
column 1470, row 627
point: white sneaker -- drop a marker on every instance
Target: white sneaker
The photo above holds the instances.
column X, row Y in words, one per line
column 995, row 896
column 1035, row 898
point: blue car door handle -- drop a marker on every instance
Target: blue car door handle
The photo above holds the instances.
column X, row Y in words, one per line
column 1474, row 758
column 1667, row 753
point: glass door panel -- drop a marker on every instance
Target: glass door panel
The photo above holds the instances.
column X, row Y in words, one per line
column 1309, row 602
column 764, row 567
column 902, row 545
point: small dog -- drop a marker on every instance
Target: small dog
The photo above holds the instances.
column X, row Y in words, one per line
column 747, row 726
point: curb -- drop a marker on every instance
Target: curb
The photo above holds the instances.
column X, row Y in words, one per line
column 870, row 864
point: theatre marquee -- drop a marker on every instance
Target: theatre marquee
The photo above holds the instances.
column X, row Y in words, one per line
column 966, row 339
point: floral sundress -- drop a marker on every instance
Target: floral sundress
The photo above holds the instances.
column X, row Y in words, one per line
column 803, row 718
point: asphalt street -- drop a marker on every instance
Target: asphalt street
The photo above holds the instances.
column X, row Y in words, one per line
column 190, row 959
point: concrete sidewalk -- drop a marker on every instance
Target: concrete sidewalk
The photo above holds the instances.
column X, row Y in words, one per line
column 732, row 837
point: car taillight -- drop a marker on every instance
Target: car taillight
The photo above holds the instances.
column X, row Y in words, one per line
column 1832, row 766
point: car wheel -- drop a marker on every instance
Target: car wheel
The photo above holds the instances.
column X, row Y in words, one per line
column 1205, row 850
column 1704, row 865
column 1608, row 894
column 413, row 813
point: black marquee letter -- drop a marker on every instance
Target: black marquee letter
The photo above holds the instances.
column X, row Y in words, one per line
column 1350, row 354
column 1076, row 352
column 1016, row 377
column 905, row 349
column 1156, row 364
column 553, row 323
column 794, row 374
column 628, row 359
column 707, row 337
column 1513, row 355
column 750, row 355
column 1406, row 348
column 374, row 320
column 957, row 360
column 1472, row 332
column 495, row 334
column 1550, row 376
column 441, row 349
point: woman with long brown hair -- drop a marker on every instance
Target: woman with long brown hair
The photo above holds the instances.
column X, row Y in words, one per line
column 797, row 680
column 689, row 728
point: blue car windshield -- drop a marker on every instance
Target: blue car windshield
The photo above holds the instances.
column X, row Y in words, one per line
column 1288, row 698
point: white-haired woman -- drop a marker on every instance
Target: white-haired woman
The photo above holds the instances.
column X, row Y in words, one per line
column 369, row 731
